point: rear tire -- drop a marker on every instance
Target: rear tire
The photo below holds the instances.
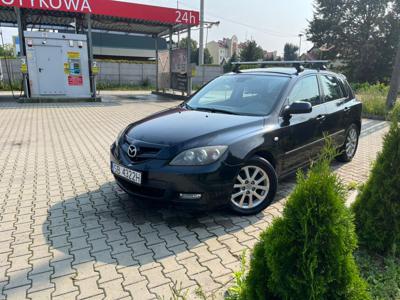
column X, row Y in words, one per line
column 349, row 149
column 254, row 188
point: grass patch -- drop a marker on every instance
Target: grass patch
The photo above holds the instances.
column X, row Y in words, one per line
column 382, row 275
column 373, row 98
column 352, row 186
column 15, row 85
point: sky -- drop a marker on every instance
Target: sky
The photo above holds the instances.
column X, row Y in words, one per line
column 270, row 23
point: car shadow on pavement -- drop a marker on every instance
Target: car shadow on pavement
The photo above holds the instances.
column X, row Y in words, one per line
column 109, row 227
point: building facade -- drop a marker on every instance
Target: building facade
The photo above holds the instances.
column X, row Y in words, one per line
column 221, row 51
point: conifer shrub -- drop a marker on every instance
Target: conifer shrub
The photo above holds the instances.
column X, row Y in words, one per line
column 308, row 252
column 377, row 207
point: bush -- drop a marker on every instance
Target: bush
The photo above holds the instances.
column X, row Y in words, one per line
column 377, row 208
column 308, row 253
column 382, row 275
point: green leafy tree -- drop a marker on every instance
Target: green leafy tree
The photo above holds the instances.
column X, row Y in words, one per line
column 184, row 42
column 308, row 252
column 228, row 67
column 251, row 51
column 361, row 33
column 377, row 208
column 194, row 58
column 208, row 60
column 290, row 52
column 6, row 51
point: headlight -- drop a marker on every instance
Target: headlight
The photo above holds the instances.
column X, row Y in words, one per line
column 119, row 138
column 199, row 156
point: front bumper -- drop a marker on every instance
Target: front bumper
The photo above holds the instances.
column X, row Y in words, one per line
column 165, row 183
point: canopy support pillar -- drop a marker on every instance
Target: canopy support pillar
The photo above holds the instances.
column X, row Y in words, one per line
column 21, row 28
column 157, row 58
column 90, row 52
column 170, row 57
column 189, row 63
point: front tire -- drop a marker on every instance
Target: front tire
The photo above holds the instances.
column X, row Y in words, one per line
column 349, row 149
column 254, row 188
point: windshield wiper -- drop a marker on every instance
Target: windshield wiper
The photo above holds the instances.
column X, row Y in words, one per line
column 215, row 110
column 187, row 106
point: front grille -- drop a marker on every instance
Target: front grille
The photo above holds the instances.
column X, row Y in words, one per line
column 141, row 190
column 145, row 151
column 149, row 150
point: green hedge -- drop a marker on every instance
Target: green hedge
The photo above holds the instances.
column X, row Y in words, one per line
column 308, row 253
column 377, row 208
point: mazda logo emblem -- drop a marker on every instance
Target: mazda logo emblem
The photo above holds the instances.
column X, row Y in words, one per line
column 132, row 151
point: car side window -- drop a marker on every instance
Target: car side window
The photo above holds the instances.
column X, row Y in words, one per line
column 331, row 87
column 306, row 90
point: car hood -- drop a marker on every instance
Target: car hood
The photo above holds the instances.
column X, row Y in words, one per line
column 176, row 126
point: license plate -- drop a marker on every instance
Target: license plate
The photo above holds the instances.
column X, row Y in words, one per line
column 133, row 176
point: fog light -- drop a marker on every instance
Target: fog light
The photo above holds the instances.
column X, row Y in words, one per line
column 190, row 196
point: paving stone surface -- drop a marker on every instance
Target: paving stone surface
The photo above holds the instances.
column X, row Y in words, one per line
column 68, row 232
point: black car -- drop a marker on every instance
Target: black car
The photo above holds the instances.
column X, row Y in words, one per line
column 231, row 141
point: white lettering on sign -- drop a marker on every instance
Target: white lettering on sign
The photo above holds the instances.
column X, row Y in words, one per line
column 86, row 5
column 55, row 6
column 186, row 17
column 43, row 4
column 72, row 5
column 73, row 2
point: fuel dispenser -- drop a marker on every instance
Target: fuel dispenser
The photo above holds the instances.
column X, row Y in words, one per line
column 57, row 64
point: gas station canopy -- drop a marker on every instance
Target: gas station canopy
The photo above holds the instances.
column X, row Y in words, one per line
column 83, row 15
column 111, row 15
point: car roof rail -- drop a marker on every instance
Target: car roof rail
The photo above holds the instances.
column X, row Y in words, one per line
column 298, row 64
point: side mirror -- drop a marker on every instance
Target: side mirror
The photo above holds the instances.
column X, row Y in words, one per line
column 297, row 108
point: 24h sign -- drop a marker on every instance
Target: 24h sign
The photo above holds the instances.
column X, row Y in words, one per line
column 114, row 8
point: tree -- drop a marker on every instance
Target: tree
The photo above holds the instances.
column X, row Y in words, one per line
column 194, row 57
column 362, row 33
column 228, row 67
column 290, row 52
column 377, row 208
column 208, row 60
column 6, row 51
column 395, row 82
column 251, row 51
column 308, row 252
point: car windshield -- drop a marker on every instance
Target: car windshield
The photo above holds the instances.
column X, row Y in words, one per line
column 240, row 94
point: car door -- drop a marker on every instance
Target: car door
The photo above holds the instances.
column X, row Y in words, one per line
column 302, row 136
column 335, row 101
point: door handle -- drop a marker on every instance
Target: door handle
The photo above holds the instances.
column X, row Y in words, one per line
column 346, row 109
column 321, row 118
column 40, row 70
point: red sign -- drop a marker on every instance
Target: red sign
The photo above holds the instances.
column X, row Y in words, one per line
column 113, row 8
column 75, row 80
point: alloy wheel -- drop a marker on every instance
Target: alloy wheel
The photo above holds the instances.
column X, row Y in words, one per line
column 351, row 142
column 251, row 187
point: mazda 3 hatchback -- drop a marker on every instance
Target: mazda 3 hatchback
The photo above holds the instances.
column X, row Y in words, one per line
column 231, row 141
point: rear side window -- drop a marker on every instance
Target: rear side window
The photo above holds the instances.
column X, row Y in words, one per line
column 348, row 92
column 306, row 90
column 331, row 87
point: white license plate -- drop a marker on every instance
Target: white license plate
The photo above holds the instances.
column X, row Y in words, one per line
column 133, row 176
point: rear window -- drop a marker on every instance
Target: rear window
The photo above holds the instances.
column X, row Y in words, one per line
column 247, row 94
